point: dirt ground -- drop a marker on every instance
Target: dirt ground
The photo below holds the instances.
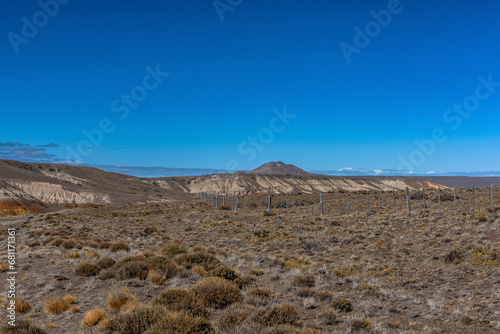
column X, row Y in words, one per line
column 294, row 272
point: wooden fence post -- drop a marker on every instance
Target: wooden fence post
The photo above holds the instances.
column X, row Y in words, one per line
column 439, row 199
column 367, row 203
column 348, row 209
column 393, row 201
column 492, row 204
column 408, row 201
column 473, row 200
column 236, row 206
column 321, row 200
column 455, row 200
column 340, row 205
column 423, row 195
column 358, row 202
column 379, row 203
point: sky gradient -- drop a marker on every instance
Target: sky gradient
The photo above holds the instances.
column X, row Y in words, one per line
column 170, row 83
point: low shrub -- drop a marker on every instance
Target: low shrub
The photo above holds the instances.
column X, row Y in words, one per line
column 206, row 260
column 342, row 304
column 87, row 270
column 133, row 269
column 276, row 315
column 105, row 263
column 217, row 292
column 119, row 246
column 93, row 317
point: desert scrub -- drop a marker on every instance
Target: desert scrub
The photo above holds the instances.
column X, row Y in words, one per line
column 342, row 304
column 158, row 262
column 304, row 281
column 357, row 324
column 56, row 305
column 116, row 299
column 105, row 263
column 155, row 277
column 327, row 317
column 71, row 255
column 93, row 317
column 22, row 327
column 259, row 296
column 105, row 245
column 276, row 315
column 483, row 257
column 71, row 243
column 217, row 292
column 179, row 322
column 133, row 269
column 453, row 257
column 22, row 306
column 119, row 246
column 138, row 321
column 87, row 270
column 182, row 300
column 206, row 260
column 223, row 272
column 171, row 270
column 172, row 248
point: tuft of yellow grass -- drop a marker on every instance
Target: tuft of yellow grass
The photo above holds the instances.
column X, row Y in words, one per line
column 93, row 255
column 51, row 325
column 3, row 267
column 56, row 305
column 116, row 299
column 74, row 309
column 52, row 261
column 155, row 277
column 93, row 317
column 37, row 255
column 22, row 306
column 69, row 299
column 71, row 255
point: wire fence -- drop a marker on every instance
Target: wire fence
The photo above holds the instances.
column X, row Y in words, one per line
column 424, row 202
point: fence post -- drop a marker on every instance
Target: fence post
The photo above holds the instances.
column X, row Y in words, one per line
column 492, row 204
column 216, row 202
column 367, row 203
column 321, row 200
column 455, row 200
column 236, row 206
column 439, row 198
column 379, row 203
column 393, row 201
column 423, row 195
column 269, row 204
column 358, row 202
column 300, row 209
column 473, row 201
column 348, row 209
column 340, row 205
column 408, row 201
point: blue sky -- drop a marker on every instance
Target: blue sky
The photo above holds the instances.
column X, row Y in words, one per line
column 230, row 82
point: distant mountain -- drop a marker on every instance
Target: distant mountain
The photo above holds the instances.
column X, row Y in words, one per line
column 279, row 168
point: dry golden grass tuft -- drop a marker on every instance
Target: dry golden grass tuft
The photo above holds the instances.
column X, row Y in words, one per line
column 52, row 261
column 93, row 317
column 3, row 267
column 116, row 299
column 155, row 277
column 74, row 309
column 37, row 255
column 93, row 255
column 119, row 246
column 22, row 306
column 71, row 255
column 69, row 299
column 51, row 325
column 56, row 305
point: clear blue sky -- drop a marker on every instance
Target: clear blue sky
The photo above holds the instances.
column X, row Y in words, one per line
column 227, row 76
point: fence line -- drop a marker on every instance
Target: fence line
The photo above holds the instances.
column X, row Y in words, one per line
column 416, row 202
